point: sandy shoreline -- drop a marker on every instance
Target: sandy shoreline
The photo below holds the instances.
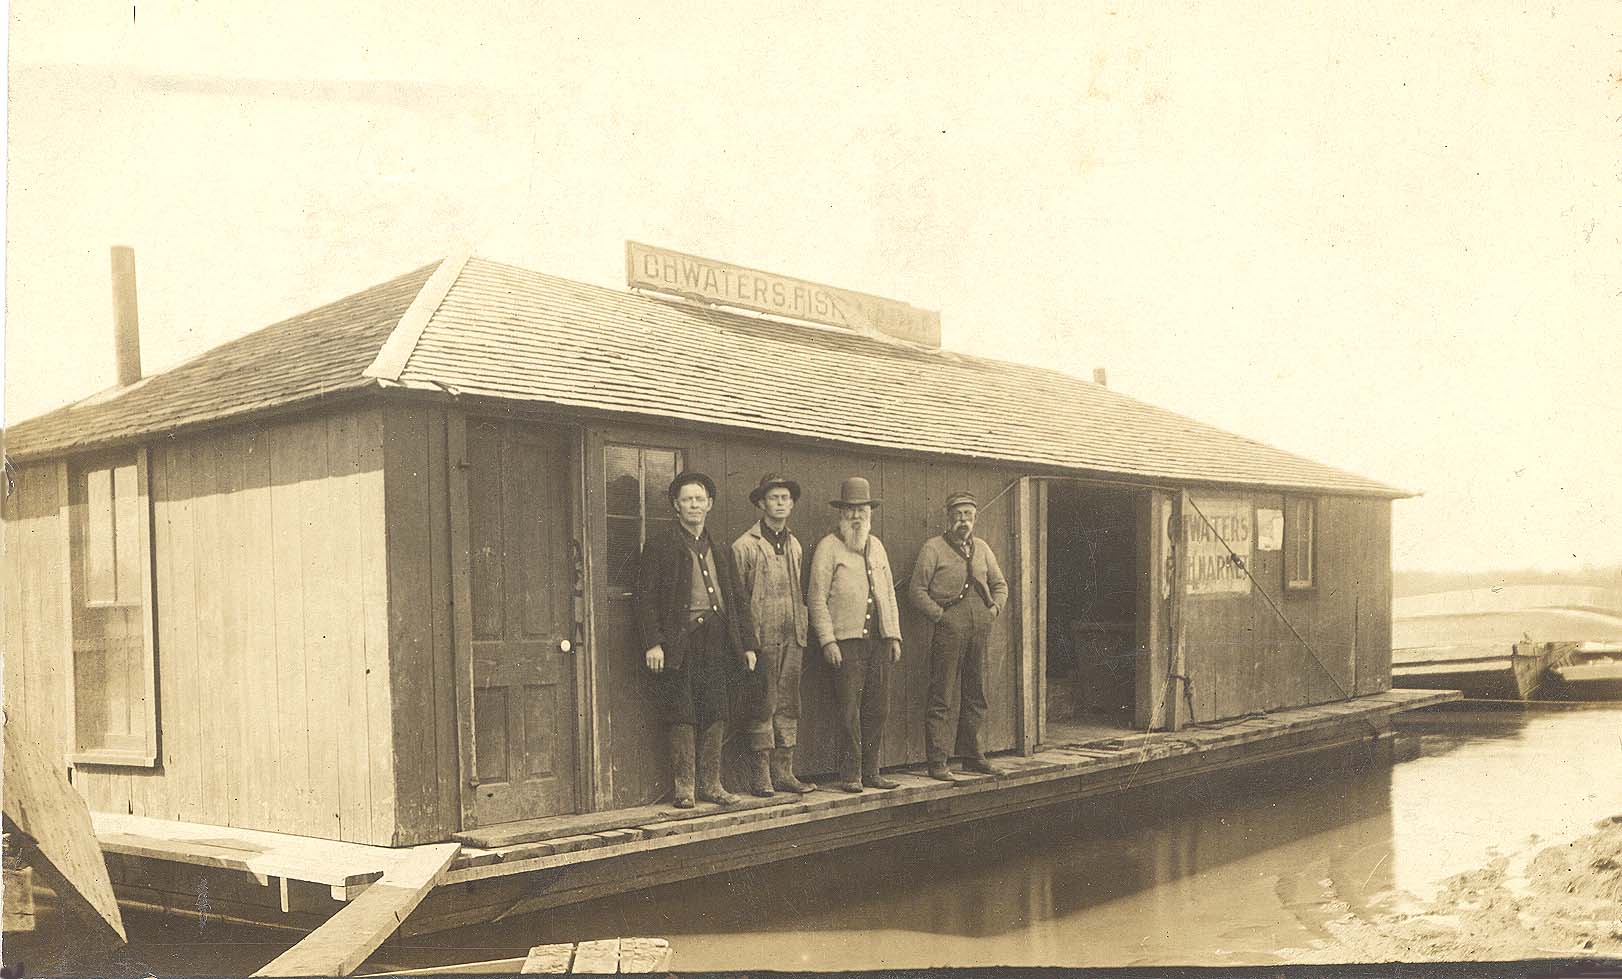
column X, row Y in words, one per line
column 1564, row 901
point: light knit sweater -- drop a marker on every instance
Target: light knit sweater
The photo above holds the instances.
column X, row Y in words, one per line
column 838, row 596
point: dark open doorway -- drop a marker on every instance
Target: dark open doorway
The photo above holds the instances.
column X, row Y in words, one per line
column 1092, row 622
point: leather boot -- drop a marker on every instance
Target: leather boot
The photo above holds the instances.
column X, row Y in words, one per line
column 710, row 788
column 760, row 774
column 783, row 779
column 681, row 765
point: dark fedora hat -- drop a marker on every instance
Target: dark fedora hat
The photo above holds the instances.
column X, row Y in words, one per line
column 854, row 492
column 772, row 481
column 691, row 477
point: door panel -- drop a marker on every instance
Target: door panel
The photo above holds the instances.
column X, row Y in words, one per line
column 524, row 714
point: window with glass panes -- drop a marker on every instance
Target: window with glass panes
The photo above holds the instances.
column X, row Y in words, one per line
column 637, row 481
column 113, row 669
column 1298, row 532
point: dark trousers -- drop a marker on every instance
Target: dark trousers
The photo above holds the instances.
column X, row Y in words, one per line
column 957, row 666
column 697, row 693
column 862, row 691
column 775, row 722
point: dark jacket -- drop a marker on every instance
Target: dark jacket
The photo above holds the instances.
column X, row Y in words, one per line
column 664, row 579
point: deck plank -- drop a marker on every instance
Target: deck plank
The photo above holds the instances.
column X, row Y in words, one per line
column 549, row 827
column 597, row 958
column 261, row 853
column 640, row 955
column 339, row 946
column 548, row 960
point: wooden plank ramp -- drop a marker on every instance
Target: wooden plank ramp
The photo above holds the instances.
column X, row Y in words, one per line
column 607, row 956
column 41, row 806
column 346, row 867
column 339, row 946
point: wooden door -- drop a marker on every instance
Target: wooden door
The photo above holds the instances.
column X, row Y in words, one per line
column 523, row 651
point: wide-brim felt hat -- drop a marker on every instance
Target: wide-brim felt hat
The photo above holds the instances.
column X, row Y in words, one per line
column 772, row 481
column 682, row 479
column 855, row 491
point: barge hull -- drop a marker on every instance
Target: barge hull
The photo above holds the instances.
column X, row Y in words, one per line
column 646, row 848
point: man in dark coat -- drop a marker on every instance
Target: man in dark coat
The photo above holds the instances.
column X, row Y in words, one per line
column 697, row 632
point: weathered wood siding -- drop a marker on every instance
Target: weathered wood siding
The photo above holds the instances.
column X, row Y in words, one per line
column 36, row 609
column 416, row 490
column 913, row 492
column 1242, row 657
column 274, row 703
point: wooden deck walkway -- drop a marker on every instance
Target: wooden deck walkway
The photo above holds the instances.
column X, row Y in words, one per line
column 529, row 866
column 563, row 840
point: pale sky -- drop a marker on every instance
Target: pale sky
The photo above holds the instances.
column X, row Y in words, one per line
column 1386, row 239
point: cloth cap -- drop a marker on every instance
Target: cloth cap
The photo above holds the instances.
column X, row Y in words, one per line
column 961, row 497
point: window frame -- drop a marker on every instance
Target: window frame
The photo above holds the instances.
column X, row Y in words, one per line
column 1293, row 507
column 141, row 748
column 678, row 455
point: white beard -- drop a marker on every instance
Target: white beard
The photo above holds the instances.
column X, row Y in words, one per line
column 854, row 539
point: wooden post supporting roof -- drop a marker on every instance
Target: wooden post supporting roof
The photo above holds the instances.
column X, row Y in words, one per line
column 1027, row 575
column 461, row 610
column 1177, row 690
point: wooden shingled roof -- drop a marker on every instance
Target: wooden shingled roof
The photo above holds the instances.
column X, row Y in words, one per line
column 476, row 327
column 313, row 356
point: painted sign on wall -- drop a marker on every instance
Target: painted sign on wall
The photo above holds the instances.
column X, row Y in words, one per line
column 721, row 283
column 1215, row 529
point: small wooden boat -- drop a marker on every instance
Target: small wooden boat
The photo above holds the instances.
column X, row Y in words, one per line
column 1594, row 672
column 1517, row 643
column 1482, row 671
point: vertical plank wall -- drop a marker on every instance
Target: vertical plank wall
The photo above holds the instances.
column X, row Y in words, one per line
column 416, row 489
column 36, row 612
column 1243, row 657
column 273, row 659
column 913, row 492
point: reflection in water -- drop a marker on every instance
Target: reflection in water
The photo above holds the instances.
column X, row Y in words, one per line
column 1189, row 874
column 1501, row 783
column 1228, row 870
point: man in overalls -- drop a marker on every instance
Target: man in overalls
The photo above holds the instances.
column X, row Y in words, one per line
column 957, row 584
column 769, row 559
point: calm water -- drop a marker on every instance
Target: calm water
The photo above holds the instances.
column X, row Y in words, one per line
column 1222, row 872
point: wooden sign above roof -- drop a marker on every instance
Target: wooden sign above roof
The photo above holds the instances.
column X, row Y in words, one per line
column 722, row 284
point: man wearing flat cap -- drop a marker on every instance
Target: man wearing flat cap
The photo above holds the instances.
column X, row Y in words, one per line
column 697, row 631
column 769, row 560
column 957, row 585
column 854, row 614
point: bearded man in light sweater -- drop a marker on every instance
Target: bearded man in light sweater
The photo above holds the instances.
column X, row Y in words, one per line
column 957, row 584
column 853, row 611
